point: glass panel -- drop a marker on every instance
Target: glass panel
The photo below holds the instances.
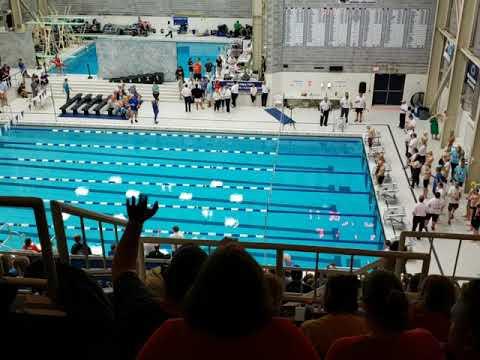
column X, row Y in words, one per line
column 476, row 37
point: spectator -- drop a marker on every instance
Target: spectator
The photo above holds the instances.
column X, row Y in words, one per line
column 359, row 105
column 23, row 68
column 345, row 107
column 22, row 91
column 265, row 92
column 434, row 209
column 197, row 70
column 176, row 234
column 66, row 89
column 454, row 195
column 432, row 311
column 460, row 173
column 135, row 306
column 209, row 68
column 197, row 94
column 235, row 92
column 187, row 97
column 387, row 314
column 80, row 248
column 275, row 288
column 170, row 29
column 419, row 214
column 155, row 110
column 113, row 250
column 3, row 93
column 216, row 100
column 228, row 315
column 324, row 108
column 342, row 320
column 155, row 90
column 403, row 114
column 30, row 246
column 464, row 339
column 227, row 97
column 297, row 285
column 179, row 73
column 253, row 93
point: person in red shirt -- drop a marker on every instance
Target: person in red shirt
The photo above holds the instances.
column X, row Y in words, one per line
column 432, row 312
column 30, row 246
column 464, row 338
column 228, row 315
column 386, row 308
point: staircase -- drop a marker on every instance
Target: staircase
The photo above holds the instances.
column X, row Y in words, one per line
column 80, row 84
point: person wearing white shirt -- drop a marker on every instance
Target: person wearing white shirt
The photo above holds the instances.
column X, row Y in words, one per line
column 253, row 93
column 412, row 145
column 434, row 209
column 360, row 106
column 187, row 97
column 345, row 107
column 176, row 234
column 227, row 96
column 235, row 90
column 324, row 111
column 403, row 114
column 411, row 123
column 170, row 29
column 422, row 152
column 454, row 195
column 419, row 214
column 265, row 92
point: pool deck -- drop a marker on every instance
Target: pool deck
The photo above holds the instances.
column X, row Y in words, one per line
column 255, row 120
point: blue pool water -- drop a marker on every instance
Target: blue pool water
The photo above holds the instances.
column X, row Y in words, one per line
column 294, row 190
column 77, row 63
column 203, row 51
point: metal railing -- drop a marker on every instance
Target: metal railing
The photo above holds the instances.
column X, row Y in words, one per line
column 38, row 208
column 431, row 237
column 280, row 249
column 59, row 208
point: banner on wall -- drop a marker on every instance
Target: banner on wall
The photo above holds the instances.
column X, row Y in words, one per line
column 472, row 74
column 449, row 51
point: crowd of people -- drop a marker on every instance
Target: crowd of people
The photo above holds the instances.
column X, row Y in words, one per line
column 123, row 103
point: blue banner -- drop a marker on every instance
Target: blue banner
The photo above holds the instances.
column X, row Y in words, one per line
column 244, row 86
column 180, row 20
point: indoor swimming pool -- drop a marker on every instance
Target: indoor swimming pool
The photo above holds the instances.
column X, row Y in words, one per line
column 289, row 190
column 77, row 63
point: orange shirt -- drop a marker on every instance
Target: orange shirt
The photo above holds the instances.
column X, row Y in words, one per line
column 32, row 247
column 324, row 331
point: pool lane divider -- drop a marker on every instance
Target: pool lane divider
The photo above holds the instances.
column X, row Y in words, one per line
column 191, row 135
column 208, row 234
column 177, row 149
column 140, row 164
column 276, row 186
column 312, row 213
column 8, row 145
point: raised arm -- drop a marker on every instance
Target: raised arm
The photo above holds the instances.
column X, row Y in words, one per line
column 127, row 251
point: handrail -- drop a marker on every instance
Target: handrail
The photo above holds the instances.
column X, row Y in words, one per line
column 58, row 208
column 399, row 257
column 443, row 236
column 38, row 208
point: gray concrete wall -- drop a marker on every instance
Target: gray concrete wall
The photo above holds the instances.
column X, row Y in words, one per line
column 206, row 8
column 353, row 59
column 132, row 56
column 17, row 45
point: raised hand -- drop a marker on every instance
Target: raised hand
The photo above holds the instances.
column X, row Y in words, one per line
column 140, row 212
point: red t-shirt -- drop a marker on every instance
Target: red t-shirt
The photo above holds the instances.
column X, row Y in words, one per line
column 32, row 247
column 437, row 323
column 197, row 68
column 279, row 340
column 415, row 344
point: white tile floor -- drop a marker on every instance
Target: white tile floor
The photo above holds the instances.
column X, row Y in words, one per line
column 254, row 119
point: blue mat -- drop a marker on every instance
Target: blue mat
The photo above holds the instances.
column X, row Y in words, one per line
column 93, row 116
column 280, row 116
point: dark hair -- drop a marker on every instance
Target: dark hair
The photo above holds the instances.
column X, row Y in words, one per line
column 175, row 229
column 296, row 274
column 28, row 241
column 386, row 303
column 230, row 296
column 341, row 294
column 466, row 327
column 183, row 269
column 438, row 294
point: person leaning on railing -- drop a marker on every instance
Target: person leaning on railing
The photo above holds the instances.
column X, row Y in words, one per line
column 138, row 314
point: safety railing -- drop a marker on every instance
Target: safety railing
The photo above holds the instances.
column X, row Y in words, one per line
column 431, row 237
column 399, row 258
column 59, row 208
column 37, row 206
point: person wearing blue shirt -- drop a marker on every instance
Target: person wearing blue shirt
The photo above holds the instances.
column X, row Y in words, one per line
column 460, row 173
column 454, row 159
column 437, row 179
column 66, row 89
column 134, row 104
